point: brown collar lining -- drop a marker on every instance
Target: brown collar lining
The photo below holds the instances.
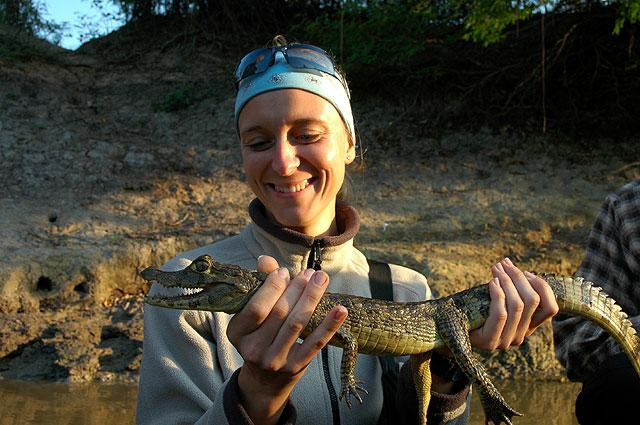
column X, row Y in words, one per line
column 347, row 218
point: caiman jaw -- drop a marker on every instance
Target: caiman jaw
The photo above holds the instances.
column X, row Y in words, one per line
column 217, row 288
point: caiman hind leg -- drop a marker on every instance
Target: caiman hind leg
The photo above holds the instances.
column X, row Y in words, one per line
column 348, row 384
column 422, row 381
column 452, row 326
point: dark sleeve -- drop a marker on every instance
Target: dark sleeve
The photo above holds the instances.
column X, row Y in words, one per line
column 444, row 409
column 236, row 413
column 610, row 394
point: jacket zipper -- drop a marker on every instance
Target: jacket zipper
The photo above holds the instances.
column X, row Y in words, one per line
column 315, row 256
column 315, row 262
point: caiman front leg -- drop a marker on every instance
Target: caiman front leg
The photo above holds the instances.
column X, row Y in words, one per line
column 422, row 381
column 452, row 326
column 348, row 384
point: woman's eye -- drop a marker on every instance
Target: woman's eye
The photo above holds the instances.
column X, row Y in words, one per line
column 259, row 145
column 308, row 138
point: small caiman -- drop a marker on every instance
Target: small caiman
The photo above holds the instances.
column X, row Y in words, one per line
column 396, row 329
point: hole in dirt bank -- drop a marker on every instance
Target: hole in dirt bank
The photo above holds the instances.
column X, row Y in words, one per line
column 44, row 284
column 111, row 332
column 82, row 288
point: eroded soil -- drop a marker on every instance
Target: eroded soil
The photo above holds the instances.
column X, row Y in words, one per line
column 98, row 180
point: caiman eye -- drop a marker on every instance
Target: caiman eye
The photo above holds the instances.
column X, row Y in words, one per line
column 201, row 266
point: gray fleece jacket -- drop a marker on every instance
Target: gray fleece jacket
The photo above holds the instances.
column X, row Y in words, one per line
column 188, row 363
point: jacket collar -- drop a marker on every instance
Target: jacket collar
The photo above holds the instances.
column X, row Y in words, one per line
column 347, row 219
column 292, row 249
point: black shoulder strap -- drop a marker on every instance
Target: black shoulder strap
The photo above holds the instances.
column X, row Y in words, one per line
column 380, row 280
column 382, row 289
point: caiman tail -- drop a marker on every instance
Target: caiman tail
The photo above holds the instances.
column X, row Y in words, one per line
column 582, row 298
column 575, row 296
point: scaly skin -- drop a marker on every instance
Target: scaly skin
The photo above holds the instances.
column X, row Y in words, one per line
column 395, row 329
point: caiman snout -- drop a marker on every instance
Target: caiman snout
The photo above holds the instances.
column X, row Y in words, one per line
column 149, row 273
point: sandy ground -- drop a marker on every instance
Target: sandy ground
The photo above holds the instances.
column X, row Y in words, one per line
column 97, row 182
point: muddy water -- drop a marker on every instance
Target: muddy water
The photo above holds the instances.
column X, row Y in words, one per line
column 23, row 402
column 549, row 403
column 37, row 403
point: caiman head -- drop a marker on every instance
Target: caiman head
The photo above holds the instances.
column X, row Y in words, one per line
column 213, row 286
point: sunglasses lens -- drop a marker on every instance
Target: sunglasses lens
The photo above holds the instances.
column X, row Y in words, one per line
column 307, row 56
column 297, row 55
column 253, row 63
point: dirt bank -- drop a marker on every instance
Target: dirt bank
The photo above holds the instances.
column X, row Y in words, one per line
column 104, row 171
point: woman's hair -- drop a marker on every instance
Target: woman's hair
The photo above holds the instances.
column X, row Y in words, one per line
column 278, row 40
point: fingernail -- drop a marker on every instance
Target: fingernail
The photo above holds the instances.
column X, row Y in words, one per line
column 283, row 273
column 508, row 261
column 499, row 267
column 529, row 275
column 319, row 278
column 308, row 273
column 340, row 313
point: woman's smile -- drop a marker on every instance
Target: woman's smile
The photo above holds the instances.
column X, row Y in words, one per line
column 290, row 189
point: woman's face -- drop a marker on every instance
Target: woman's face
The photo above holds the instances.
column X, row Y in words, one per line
column 294, row 151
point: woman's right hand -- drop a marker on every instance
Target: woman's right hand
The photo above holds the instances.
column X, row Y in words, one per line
column 265, row 333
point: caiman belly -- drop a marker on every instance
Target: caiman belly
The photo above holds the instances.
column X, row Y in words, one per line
column 382, row 329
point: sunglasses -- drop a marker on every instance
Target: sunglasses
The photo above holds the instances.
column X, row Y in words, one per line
column 297, row 55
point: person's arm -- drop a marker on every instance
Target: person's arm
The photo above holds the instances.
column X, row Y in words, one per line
column 612, row 261
column 445, row 408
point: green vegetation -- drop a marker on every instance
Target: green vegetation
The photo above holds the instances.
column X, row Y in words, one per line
column 180, row 97
column 18, row 48
column 571, row 65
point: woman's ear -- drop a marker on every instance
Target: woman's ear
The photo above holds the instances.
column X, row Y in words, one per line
column 351, row 152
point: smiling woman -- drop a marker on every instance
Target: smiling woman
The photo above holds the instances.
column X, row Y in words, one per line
column 293, row 116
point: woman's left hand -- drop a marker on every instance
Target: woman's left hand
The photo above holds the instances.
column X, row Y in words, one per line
column 520, row 302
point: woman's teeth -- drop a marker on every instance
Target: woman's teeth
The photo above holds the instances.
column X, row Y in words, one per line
column 296, row 188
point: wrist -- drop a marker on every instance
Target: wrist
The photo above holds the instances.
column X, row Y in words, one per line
column 446, row 375
column 263, row 403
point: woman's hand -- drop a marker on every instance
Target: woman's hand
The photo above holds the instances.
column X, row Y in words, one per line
column 520, row 302
column 265, row 333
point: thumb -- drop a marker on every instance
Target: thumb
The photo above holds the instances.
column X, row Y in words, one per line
column 267, row 264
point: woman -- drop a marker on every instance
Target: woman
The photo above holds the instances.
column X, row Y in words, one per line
column 293, row 116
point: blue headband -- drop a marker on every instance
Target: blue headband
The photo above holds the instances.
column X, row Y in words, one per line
column 283, row 76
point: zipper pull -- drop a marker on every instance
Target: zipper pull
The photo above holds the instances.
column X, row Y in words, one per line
column 315, row 256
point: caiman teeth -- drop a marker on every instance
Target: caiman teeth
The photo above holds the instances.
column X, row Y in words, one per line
column 175, row 291
column 295, row 188
column 191, row 291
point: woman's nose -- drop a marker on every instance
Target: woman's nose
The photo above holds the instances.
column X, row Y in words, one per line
column 285, row 160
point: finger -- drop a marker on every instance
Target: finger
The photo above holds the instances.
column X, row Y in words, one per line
column 260, row 305
column 548, row 306
column 299, row 317
column 488, row 336
column 321, row 335
column 280, row 317
column 527, row 294
column 514, row 304
column 267, row 264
